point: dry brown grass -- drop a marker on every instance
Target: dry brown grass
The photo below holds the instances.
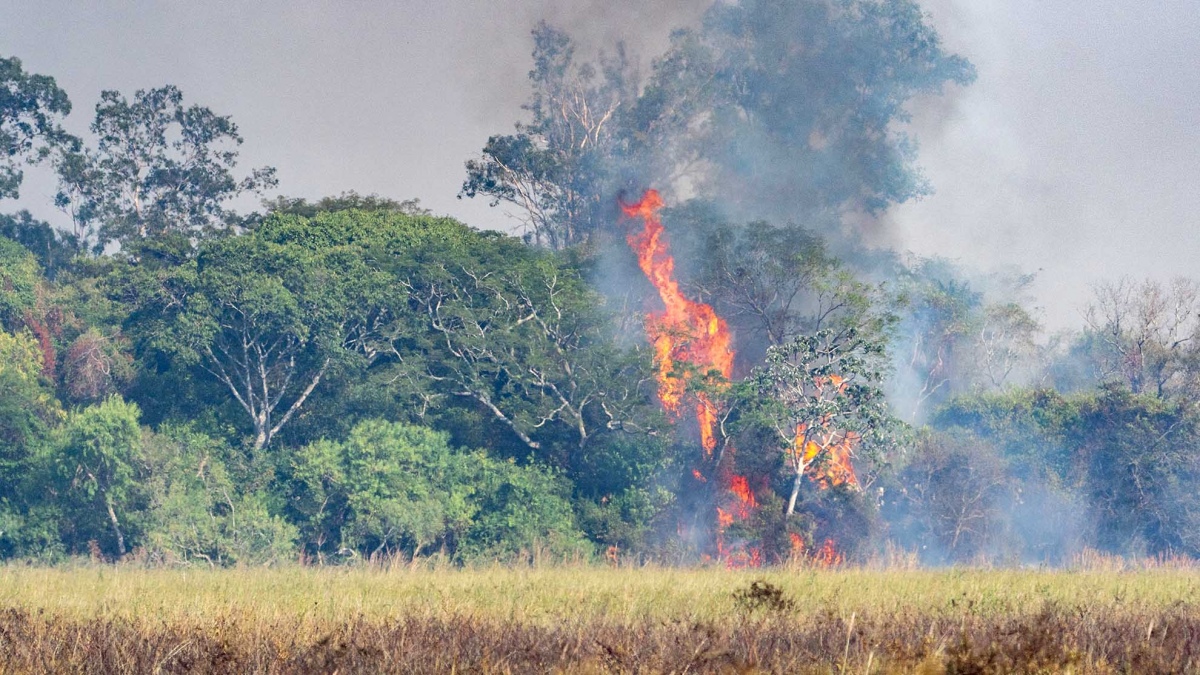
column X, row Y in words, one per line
column 120, row 620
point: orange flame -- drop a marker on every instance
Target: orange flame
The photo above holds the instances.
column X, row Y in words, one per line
column 838, row 448
column 740, row 488
column 686, row 332
column 797, row 544
column 724, row 520
column 828, row 555
column 836, row 445
column 689, row 333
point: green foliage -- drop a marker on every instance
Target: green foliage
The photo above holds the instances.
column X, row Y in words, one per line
column 198, row 511
column 748, row 93
column 1127, row 459
column 1139, row 468
column 54, row 250
column 265, row 351
column 31, row 111
column 1027, row 425
column 347, row 201
column 518, row 332
column 265, row 315
column 393, row 488
column 158, row 168
column 19, row 278
column 28, row 412
column 98, row 460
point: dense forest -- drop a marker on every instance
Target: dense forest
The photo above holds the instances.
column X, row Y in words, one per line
column 353, row 377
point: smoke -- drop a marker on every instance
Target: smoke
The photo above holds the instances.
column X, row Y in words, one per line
column 495, row 62
column 1072, row 154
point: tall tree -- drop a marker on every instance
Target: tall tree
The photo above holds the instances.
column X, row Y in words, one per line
column 158, row 167
column 98, row 455
column 1147, row 334
column 31, row 111
column 263, row 315
column 557, row 169
column 516, row 332
column 784, row 108
column 819, row 395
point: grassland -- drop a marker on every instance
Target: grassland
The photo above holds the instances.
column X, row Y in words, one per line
column 99, row 619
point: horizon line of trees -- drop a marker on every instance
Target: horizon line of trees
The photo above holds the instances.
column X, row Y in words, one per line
column 356, row 377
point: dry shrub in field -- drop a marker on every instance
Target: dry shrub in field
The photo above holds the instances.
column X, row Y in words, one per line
column 1047, row 640
column 764, row 595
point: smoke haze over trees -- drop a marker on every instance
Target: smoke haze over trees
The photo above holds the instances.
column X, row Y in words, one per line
column 189, row 378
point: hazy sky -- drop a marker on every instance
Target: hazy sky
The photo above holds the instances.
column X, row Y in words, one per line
column 1075, row 153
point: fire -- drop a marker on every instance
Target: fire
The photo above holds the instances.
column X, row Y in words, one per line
column 689, row 341
column 690, row 334
column 828, row 555
column 797, row 544
column 740, row 488
column 686, row 332
column 724, row 520
column 837, row 446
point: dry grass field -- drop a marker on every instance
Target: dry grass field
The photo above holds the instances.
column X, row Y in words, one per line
column 124, row 619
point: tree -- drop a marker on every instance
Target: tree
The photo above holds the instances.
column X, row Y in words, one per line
column 158, row 167
column 31, row 111
column 771, row 282
column 955, row 486
column 516, row 332
column 19, row 279
column 347, row 201
column 98, row 455
column 789, row 109
column 1004, row 343
column 1139, row 465
column 773, row 108
column 940, row 311
column 27, row 412
column 393, row 488
column 1116, row 468
column 197, row 510
column 1147, row 334
column 556, row 169
column 54, row 250
column 266, row 319
column 820, row 396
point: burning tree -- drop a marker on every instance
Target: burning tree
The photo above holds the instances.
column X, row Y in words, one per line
column 819, row 394
column 693, row 359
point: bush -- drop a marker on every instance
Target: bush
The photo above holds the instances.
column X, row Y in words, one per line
column 196, row 512
column 400, row 489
